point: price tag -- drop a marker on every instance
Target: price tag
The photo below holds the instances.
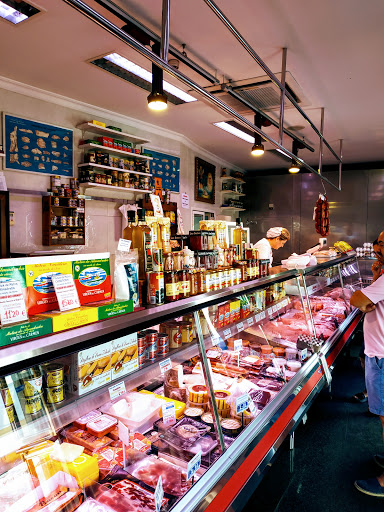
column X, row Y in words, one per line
column 269, row 311
column 169, row 413
column 80, row 210
column 215, row 339
column 242, row 403
column 123, row 433
column 159, row 494
column 237, row 345
column 165, row 366
column 66, row 292
column 12, row 304
column 227, row 333
column 327, row 373
column 251, row 405
column 303, row 354
column 257, row 317
column 262, row 315
column 193, row 465
column 285, row 303
column 250, row 321
column 124, row 245
column 212, row 353
column 274, row 308
column 117, row 390
column 240, row 327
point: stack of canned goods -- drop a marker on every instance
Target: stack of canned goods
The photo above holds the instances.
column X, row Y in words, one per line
column 151, row 344
column 33, row 382
column 53, row 383
column 8, row 402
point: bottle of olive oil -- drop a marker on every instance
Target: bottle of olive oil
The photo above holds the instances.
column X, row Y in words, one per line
column 239, row 239
column 141, row 240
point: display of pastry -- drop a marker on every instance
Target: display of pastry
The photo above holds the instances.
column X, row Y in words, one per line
column 198, row 394
column 230, row 426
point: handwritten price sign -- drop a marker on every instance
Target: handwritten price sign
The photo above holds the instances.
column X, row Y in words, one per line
column 66, row 292
column 12, row 304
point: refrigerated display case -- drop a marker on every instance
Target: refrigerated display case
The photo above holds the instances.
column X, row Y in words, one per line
column 193, row 391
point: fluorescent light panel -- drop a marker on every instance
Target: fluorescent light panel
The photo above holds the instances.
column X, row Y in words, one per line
column 235, row 131
column 16, row 12
column 133, row 68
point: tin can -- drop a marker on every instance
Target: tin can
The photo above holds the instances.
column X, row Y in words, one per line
column 157, row 258
column 55, row 395
column 55, row 181
column 33, row 404
column 155, row 288
column 162, row 344
column 33, row 382
column 74, row 183
column 53, row 375
column 186, row 332
column 151, row 341
column 69, row 221
column 5, row 393
column 68, row 192
column 56, row 201
column 174, row 334
column 63, row 221
column 141, row 339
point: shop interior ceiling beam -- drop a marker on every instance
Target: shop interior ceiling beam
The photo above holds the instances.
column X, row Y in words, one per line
column 321, row 148
column 282, row 94
column 266, row 69
column 97, row 18
column 124, row 16
column 164, row 43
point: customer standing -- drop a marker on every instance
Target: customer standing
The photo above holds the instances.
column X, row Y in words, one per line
column 275, row 239
column 371, row 301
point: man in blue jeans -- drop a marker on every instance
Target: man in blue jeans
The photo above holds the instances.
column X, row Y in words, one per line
column 370, row 300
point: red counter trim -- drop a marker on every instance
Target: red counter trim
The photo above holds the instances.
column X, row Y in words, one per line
column 232, row 488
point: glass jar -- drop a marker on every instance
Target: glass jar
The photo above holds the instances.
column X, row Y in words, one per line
column 211, row 238
column 169, row 261
column 194, row 280
column 256, row 268
column 184, row 284
column 242, row 265
column 171, row 281
column 250, row 272
column 202, row 280
column 264, row 268
column 186, row 332
column 198, row 240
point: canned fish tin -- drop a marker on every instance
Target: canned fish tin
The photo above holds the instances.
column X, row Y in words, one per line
column 186, row 332
column 157, row 257
column 11, row 413
column 33, row 404
column 155, row 284
column 53, row 375
column 33, row 381
column 174, row 333
column 63, row 221
column 56, row 201
column 55, row 395
column 6, row 396
column 162, row 344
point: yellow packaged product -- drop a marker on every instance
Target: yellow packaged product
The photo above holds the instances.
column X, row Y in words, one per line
column 84, row 468
column 179, row 406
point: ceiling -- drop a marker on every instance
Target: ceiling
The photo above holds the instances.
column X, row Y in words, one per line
column 334, row 55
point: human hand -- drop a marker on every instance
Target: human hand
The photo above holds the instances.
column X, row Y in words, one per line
column 368, row 308
column 376, row 269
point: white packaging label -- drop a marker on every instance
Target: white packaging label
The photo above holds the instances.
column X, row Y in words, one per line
column 250, row 321
column 262, row 315
column 123, row 433
column 184, row 200
column 124, row 245
column 238, row 345
column 215, row 339
column 169, row 413
column 12, row 303
column 251, row 405
column 165, row 365
column 117, row 390
column 242, row 403
column 303, row 354
column 212, row 353
column 159, row 494
column 227, row 333
column 66, row 292
column 193, row 465
column 240, row 327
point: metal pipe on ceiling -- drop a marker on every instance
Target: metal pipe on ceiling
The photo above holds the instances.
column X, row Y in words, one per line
column 262, row 64
column 341, row 162
column 120, row 13
column 133, row 43
column 321, row 142
column 164, row 43
column 282, row 94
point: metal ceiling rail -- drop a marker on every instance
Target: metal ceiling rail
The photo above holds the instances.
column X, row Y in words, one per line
column 124, row 16
column 271, row 75
column 133, row 43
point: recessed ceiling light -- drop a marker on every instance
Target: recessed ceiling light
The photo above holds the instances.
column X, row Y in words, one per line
column 16, row 11
column 133, row 68
column 235, row 131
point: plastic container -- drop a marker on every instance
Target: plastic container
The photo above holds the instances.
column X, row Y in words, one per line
column 293, row 366
column 85, row 469
column 89, row 441
column 91, row 415
column 101, row 426
column 291, row 354
column 279, row 351
column 266, row 351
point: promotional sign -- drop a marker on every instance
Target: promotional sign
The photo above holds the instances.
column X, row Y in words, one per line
column 165, row 365
column 66, row 292
column 169, row 413
column 12, row 303
column 242, row 403
column 193, row 465
column 117, row 390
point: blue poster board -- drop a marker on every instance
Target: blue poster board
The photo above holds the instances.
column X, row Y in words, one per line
column 166, row 167
column 37, row 147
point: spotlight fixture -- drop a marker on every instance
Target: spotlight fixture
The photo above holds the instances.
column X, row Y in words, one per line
column 257, row 148
column 157, row 100
column 295, row 167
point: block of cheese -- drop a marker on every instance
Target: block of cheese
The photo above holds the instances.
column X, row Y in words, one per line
column 85, row 469
column 66, row 452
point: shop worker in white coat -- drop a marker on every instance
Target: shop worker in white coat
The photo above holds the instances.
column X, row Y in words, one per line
column 275, row 239
column 370, row 300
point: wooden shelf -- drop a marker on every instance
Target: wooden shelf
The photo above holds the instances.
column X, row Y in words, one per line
column 47, row 228
column 94, row 128
column 232, row 192
column 231, row 178
column 112, row 187
column 112, row 150
column 68, row 241
column 232, row 208
column 100, row 166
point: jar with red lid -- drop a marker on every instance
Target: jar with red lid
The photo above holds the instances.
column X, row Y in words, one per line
column 263, row 268
column 184, row 284
column 171, row 280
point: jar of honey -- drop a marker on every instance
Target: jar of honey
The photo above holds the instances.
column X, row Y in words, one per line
column 171, row 281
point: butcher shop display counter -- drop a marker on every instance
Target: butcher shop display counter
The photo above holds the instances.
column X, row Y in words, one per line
column 160, row 408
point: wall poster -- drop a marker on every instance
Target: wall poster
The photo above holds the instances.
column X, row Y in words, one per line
column 37, row 147
column 204, row 181
column 166, row 167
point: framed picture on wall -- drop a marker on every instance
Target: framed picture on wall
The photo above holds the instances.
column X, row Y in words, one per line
column 37, row 147
column 204, row 181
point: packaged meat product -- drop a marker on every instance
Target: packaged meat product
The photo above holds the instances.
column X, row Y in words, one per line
column 143, row 499
column 188, row 430
column 260, row 398
column 114, row 434
column 118, row 502
column 91, row 415
column 149, row 469
column 91, row 505
column 101, row 426
column 90, row 442
column 108, row 458
column 14, row 484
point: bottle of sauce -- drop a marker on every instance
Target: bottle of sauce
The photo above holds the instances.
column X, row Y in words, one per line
column 184, row 284
column 131, row 218
column 172, row 290
column 141, row 240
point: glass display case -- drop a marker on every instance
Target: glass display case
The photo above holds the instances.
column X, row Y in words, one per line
column 165, row 405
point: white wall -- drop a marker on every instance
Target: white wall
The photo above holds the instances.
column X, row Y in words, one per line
column 103, row 219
